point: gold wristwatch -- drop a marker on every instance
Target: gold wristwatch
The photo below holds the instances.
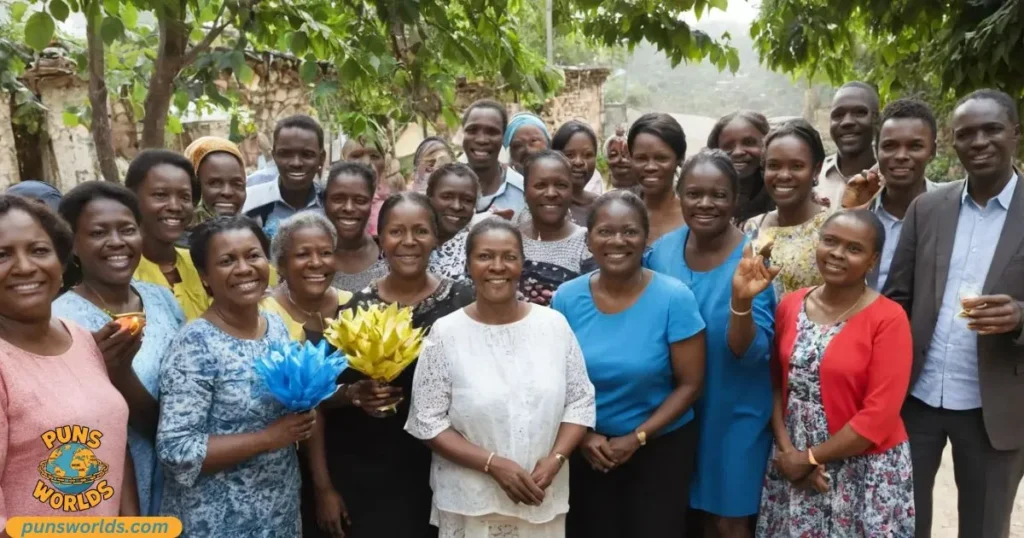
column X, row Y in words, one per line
column 641, row 437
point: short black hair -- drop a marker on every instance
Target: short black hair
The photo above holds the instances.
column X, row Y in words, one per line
column 54, row 226
column 412, row 197
column 911, row 109
column 627, row 198
column 149, row 159
column 754, row 118
column 662, row 126
column 451, row 169
column 199, row 244
column 426, row 143
column 491, row 104
column 570, row 129
column 871, row 91
column 799, row 128
column 1001, row 98
column 865, row 216
column 353, row 168
column 301, row 121
column 542, row 155
column 491, row 224
column 76, row 199
column 715, row 157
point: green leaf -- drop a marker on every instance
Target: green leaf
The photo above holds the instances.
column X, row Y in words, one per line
column 18, row 10
column 112, row 7
column 309, row 70
column 70, row 118
column 174, row 125
column 245, row 74
column 181, row 99
column 59, row 10
column 111, row 30
column 719, row 4
column 39, row 30
column 298, row 43
column 734, row 61
column 130, row 16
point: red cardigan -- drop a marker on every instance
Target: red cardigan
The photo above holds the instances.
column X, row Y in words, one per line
column 865, row 372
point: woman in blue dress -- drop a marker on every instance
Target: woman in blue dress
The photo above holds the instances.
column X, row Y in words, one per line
column 227, row 446
column 712, row 257
column 105, row 218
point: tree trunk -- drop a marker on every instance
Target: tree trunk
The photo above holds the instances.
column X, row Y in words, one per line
column 100, row 124
column 169, row 60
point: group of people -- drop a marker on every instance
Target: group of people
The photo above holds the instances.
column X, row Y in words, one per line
column 642, row 355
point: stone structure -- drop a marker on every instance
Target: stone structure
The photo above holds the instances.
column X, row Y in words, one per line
column 8, row 156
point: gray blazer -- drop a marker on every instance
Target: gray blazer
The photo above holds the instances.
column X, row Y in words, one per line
column 917, row 281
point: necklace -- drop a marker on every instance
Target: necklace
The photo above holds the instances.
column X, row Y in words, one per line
column 308, row 315
column 106, row 307
column 241, row 330
column 842, row 316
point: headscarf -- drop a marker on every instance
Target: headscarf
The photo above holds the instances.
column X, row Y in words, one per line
column 521, row 119
column 37, row 190
column 198, row 150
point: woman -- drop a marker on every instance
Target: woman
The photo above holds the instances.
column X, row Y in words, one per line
column 577, row 141
column 431, row 154
column 620, row 167
column 793, row 155
column 167, row 188
column 452, row 190
column 303, row 252
column 221, row 172
column 374, row 154
column 227, row 446
column 841, row 465
column 54, row 381
column 526, row 134
column 104, row 219
column 741, row 135
column 657, row 146
column 643, row 343
column 713, row 258
column 381, row 472
column 501, row 389
column 348, row 200
column 555, row 246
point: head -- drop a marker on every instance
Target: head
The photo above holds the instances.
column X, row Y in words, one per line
column 577, row 141
column 407, row 228
column 526, row 134
column 657, row 146
column 741, row 135
column 230, row 254
column 853, row 118
column 986, row 132
column 793, row 155
column 616, row 151
column 348, row 197
column 303, row 253
column 617, row 231
column 849, row 247
column 707, row 189
column 483, row 129
column 547, row 180
column 37, row 191
column 221, row 173
column 906, row 143
column 34, row 246
column 104, row 218
column 167, row 188
column 298, row 152
column 369, row 153
column 494, row 260
column 431, row 154
column 452, row 190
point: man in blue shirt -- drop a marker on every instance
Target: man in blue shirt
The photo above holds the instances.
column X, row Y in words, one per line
column 483, row 129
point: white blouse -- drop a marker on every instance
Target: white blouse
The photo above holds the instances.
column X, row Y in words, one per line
column 507, row 389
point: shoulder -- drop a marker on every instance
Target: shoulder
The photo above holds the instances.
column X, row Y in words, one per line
column 575, row 287
column 276, row 328
column 885, row 311
column 514, row 179
column 790, row 304
column 158, row 296
column 74, row 307
column 670, row 287
column 260, row 195
column 669, row 242
column 938, row 194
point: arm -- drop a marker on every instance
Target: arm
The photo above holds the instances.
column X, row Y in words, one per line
column 143, row 409
column 899, row 286
column 688, row 370
column 4, row 440
column 129, row 488
column 750, row 336
column 330, row 507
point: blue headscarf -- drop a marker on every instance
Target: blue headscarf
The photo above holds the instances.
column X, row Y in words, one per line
column 37, row 190
column 521, row 119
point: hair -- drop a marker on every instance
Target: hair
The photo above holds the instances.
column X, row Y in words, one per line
column 353, row 168
column 149, row 159
column 426, row 143
column 451, row 169
column 871, row 91
column 54, row 226
column 630, row 200
column 911, row 109
column 282, row 242
column 799, row 128
column 541, row 155
column 301, row 121
column 715, row 157
column 412, row 197
column 491, row 224
column 865, row 216
column 487, row 103
column 205, row 232
column 754, row 118
column 570, row 129
column 1001, row 98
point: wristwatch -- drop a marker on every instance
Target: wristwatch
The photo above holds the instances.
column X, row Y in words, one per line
column 641, row 437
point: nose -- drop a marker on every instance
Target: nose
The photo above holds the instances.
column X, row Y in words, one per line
column 174, row 203
column 116, row 240
column 457, row 204
column 408, row 238
column 243, row 267
column 704, row 202
column 980, row 139
column 316, row 261
column 23, row 264
column 847, row 120
column 551, row 192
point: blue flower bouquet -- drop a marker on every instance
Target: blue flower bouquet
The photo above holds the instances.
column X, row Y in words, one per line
column 301, row 375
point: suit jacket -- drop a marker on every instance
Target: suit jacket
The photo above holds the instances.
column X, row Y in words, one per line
column 917, row 281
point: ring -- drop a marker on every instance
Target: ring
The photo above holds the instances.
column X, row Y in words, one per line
column 356, row 403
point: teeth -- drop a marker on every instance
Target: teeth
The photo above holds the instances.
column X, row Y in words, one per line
column 349, row 222
column 783, row 189
column 27, row 287
column 172, row 222
column 118, row 261
column 617, row 256
column 833, row 267
column 498, row 280
column 247, row 286
column 316, row 278
column 296, row 175
column 224, row 205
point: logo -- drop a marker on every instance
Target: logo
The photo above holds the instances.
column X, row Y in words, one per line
column 72, row 469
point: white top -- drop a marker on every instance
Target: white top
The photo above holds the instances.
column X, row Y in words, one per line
column 507, row 389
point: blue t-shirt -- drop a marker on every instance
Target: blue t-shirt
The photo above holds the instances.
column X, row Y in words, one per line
column 627, row 354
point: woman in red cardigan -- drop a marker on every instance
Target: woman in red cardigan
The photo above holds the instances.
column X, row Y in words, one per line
column 841, row 464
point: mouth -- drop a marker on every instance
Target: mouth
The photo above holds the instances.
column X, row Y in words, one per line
column 225, row 207
column 246, row 286
column 784, row 190
column 295, row 176
column 347, row 223
column 479, row 154
column 618, row 256
column 315, row 278
column 172, row 222
column 849, row 137
column 705, row 219
column 453, row 219
column 983, row 158
column 408, row 258
column 900, row 171
column 27, row 288
column 650, row 181
column 834, row 268
column 118, row 261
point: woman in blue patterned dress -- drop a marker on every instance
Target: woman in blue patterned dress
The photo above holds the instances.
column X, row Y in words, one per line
column 105, row 218
column 227, row 446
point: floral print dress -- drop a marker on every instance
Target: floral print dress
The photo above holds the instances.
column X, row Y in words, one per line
column 869, row 496
column 794, row 251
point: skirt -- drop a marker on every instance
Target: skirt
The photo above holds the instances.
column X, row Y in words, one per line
column 496, row 526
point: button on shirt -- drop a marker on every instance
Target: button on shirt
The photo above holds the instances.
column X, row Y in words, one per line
column 893, row 228
column 949, row 379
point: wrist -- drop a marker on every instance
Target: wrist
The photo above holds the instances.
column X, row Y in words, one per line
column 740, row 306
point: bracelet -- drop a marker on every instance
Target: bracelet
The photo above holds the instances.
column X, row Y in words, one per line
column 741, row 314
column 487, row 466
column 560, row 457
column 810, row 458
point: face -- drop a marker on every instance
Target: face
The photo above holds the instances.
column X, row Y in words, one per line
column 905, row 146
column 495, row 265
column 407, row 239
column 654, row 164
column 299, row 158
column 369, row 155
column 744, row 144
column 620, row 165
column 984, row 138
column 347, row 202
column 481, row 137
column 236, row 269
column 548, row 191
column 30, row 271
column 528, row 139
column 788, row 171
column 707, row 200
column 434, row 157
column 582, row 155
column 165, row 197
column 846, row 252
column 222, row 180
column 108, row 242
column 617, row 239
column 851, row 121
column 454, row 199
column 308, row 266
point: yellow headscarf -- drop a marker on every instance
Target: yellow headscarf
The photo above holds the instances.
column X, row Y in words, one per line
column 198, row 150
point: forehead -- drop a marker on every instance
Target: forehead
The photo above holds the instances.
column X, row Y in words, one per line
column 408, row 213
column 296, row 137
column 650, row 142
column 348, row 184
column 739, row 127
column 17, row 221
column 617, row 212
column 905, row 129
column 528, row 132
column 849, row 228
column 788, row 147
column 853, row 97
column 484, row 115
column 455, row 182
column 220, row 160
column 706, row 175
column 309, row 234
column 496, row 239
column 167, row 175
column 979, row 112
column 105, row 209
column 232, row 240
column 548, row 166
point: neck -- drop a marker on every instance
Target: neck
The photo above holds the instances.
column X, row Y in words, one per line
column 983, row 189
column 242, row 318
column 355, row 243
column 621, row 284
column 158, row 252
column 659, row 201
column 715, row 243
column 799, row 214
column 34, row 331
column 112, row 294
column 498, row 313
column 850, row 165
column 306, row 303
column 490, row 177
column 549, row 230
column 407, row 286
column 296, row 199
column 842, row 296
column 896, row 200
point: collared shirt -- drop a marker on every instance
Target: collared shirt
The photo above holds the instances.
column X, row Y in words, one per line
column 893, row 227
column 509, row 195
column 949, row 378
column 264, row 203
column 831, row 182
column 263, row 175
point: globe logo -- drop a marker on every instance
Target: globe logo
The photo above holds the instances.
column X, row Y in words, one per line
column 72, row 468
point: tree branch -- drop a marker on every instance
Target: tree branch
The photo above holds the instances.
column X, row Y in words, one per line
column 213, row 34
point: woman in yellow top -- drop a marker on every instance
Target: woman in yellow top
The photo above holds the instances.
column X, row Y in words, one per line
column 167, row 187
column 303, row 252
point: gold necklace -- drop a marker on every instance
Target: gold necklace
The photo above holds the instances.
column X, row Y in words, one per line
column 308, row 315
column 848, row 310
column 106, row 307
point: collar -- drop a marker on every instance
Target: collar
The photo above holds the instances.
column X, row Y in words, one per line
column 929, row 186
column 1004, row 197
column 831, row 162
column 270, row 192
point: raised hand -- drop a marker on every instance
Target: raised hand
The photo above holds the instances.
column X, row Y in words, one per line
column 118, row 345
column 862, row 189
column 752, row 276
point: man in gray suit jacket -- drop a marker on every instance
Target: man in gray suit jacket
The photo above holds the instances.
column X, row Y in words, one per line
column 959, row 273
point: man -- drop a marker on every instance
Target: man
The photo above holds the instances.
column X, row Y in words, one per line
column 959, row 273
column 906, row 144
column 483, row 128
column 852, row 124
column 299, row 155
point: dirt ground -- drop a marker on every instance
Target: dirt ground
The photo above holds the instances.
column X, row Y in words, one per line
column 945, row 523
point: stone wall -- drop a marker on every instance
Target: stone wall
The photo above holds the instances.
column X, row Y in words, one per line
column 8, row 156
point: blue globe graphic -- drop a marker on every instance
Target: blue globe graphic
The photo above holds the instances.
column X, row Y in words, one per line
column 72, row 468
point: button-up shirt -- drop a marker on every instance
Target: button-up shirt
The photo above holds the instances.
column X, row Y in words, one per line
column 509, row 195
column 949, row 378
column 264, row 203
column 831, row 182
column 893, row 227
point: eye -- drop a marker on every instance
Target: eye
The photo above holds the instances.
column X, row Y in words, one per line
column 41, row 251
column 632, row 233
column 603, row 232
column 511, row 257
column 96, row 234
column 484, row 256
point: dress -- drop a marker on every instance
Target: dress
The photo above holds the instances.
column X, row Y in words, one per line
column 735, row 406
column 550, row 263
column 208, row 386
column 794, row 251
column 163, row 319
column 449, row 259
column 189, row 293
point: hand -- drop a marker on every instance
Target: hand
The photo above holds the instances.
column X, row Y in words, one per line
column 793, row 464
column 545, row 471
column 992, row 314
column 751, row 276
column 862, row 189
column 331, row 512
column 290, row 429
column 816, row 481
column 371, row 395
column 623, row 448
column 597, row 452
column 506, row 214
column 516, row 482
column 118, row 346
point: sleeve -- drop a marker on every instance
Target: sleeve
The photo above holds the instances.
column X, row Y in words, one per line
column 760, row 348
column 1019, row 339
column 899, row 285
column 187, row 382
column 782, row 318
column 892, row 354
column 4, row 440
column 431, row 392
column 558, row 302
column 579, row 391
column 684, row 320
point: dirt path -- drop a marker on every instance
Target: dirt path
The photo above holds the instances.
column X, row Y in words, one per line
column 945, row 523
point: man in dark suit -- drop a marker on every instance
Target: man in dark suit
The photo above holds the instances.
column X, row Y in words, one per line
column 959, row 273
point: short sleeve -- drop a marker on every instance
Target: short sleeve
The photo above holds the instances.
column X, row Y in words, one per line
column 684, row 320
column 579, row 391
column 187, row 378
column 431, row 392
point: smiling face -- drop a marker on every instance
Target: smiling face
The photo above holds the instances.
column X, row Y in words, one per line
column 707, row 200
column 846, row 251
column 299, row 158
column 481, row 137
column 905, row 147
column 582, row 155
column 454, row 199
column 434, row 156
column 744, row 144
column 852, row 119
column 370, row 156
column 548, row 191
column 165, row 197
column 495, row 265
column 788, row 172
column 237, row 270
column 620, row 165
column 617, row 239
column 407, row 239
column 30, row 270
column 529, row 139
column 108, row 242
column 308, row 266
column 654, row 164
column 222, row 181
column 985, row 139
column 347, row 203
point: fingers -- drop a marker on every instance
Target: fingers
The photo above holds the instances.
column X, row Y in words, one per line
column 607, row 456
column 533, row 493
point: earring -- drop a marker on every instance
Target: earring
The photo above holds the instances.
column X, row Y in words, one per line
column 815, row 182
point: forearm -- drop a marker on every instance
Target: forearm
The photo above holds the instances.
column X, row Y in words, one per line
column 845, row 444
column 451, row 445
column 226, row 451
column 568, row 438
column 678, row 402
column 143, row 408
column 782, row 439
column 130, row 505
column 742, row 329
column 339, row 399
column 316, row 455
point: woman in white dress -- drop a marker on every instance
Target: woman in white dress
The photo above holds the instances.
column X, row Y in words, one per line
column 501, row 395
